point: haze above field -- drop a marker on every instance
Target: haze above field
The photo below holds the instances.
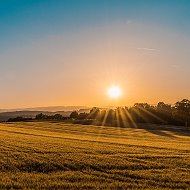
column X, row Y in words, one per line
column 70, row 52
column 50, row 108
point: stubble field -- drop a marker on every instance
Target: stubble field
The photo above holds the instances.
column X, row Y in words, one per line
column 47, row 155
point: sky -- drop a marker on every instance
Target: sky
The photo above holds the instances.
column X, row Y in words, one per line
column 69, row 52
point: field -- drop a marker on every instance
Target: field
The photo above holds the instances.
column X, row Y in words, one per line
column 47, row 155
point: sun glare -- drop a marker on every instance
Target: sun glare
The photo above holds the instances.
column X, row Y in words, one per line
column 114, row 92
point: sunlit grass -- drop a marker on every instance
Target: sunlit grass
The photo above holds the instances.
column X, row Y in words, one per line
column 42, row 155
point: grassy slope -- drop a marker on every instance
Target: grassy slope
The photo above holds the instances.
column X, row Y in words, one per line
column 56, row 155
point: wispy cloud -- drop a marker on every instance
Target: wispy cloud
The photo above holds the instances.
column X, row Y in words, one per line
column 146, row 49
column 174, row 66
column 129, row 21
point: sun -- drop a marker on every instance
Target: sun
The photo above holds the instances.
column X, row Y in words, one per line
column 114, row 92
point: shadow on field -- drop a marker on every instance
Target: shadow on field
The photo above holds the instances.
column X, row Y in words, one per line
column 161, row 133
column 164, row 130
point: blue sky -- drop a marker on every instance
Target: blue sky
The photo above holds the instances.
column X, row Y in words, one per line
column 33, row 19
column 47, row 31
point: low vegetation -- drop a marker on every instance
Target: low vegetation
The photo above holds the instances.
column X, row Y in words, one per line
column 164, row 114
column 54, row 155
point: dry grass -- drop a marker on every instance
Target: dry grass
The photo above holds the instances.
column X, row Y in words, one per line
column 42, row 155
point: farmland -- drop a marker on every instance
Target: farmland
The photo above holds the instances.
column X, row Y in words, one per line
column 56, row 155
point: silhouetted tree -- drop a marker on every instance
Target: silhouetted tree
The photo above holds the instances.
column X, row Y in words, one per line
column 40, row 116
column 58, row 117
column 74, row 115
column 82, row 116
column 19, row 119
column 182, row 112
column 94, row 112
column 183, row 106
column 111, row 117
column 163, row 107
column 179, row 114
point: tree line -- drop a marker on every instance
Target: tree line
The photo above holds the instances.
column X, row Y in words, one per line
column 177, row 114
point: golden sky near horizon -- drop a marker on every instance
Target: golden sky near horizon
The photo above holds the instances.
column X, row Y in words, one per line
column 82, row 74
column 148, row 61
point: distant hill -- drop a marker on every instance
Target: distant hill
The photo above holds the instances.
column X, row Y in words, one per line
column 48, row 108
column 5, row 114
